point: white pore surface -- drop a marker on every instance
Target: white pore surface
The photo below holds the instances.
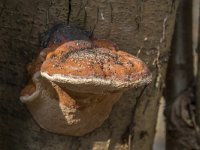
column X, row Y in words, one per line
column 106, row 84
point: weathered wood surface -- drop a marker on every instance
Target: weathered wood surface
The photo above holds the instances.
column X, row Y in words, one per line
column 140, row 27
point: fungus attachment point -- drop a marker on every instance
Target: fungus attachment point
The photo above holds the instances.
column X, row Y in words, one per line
column 77, row 80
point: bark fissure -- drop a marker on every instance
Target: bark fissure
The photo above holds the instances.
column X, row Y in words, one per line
column 85, row 15
column 69, row 11
column 96, row 22
column 138, row 18
column 127, row 136
column 3, row 8
column 111, row 13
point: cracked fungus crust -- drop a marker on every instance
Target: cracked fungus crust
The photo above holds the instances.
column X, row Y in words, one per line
column 96, row 66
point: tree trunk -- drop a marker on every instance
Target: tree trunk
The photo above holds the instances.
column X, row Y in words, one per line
column 143, row 28
column 198, row 74
column 182, row 129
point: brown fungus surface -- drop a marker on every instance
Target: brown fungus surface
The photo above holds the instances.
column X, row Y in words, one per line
column 89, row 67
column 74, row 78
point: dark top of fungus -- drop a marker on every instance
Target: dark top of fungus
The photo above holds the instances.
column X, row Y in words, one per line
column 61, row 33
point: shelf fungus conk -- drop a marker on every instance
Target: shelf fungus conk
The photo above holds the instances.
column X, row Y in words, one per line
column 75, row 82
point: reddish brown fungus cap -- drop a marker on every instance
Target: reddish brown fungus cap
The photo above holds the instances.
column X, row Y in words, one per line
column 69, row 46
column 95, row 70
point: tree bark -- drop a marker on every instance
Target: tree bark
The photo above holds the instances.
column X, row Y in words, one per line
column 143, row 28
column 182, row 131
column 198, row 74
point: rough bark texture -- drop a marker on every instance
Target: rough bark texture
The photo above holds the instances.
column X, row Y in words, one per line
column 198, row 75
column 140, row 27
column 182, row 131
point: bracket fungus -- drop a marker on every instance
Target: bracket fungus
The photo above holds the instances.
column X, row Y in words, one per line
column 74, row 84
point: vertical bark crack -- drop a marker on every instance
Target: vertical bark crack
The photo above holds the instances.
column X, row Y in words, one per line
column 138, row 17
column 69, row 11
column 3, row 8
column 129, row 132
column 111, row 12
column 97, row 20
